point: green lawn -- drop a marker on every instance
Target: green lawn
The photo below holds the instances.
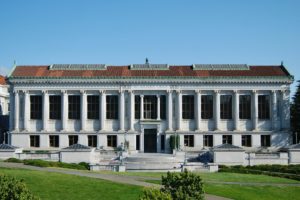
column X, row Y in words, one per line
column 61, row 186
column 221, row 176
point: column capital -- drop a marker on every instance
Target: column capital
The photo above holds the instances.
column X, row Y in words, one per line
column 83, row 92
column 158, row 95
column 217, row 91
column 44, row 92
column 16, row 91
column 198, row 91
column 178, row 91
column 102, row 91
column 121, row 91
column 236, row 91
column 131, row 91
column 141, row 95
column 25, row 91
column 274, row 91
column 64, row 92
column 169, row 91
column 254, row 91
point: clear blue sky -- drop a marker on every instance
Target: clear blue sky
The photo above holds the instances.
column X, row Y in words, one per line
column 166, row 31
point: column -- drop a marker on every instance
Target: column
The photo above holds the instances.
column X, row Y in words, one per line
column 158, row 107
column 132, row 114
column 255, row 109
column 274, row 110
column 45, row 110
column 217, row 109
column 179, row 109
column 236, row 110
column 198, row 110
column 17, row 110
column 122, row 110
column 26, row 110
column 170, row 109
column 142, row 107
column 83, row 109
column 64, row 111
column 103, row 110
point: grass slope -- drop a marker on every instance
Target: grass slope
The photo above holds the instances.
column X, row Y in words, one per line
column 61, row 186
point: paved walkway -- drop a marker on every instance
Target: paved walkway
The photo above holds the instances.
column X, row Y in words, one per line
column 134, row 180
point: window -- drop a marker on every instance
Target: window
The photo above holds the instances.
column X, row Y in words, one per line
column 54, row 140
column 150, row 107
column 137, row 142
column 93, row 107
column 74, row 107
column 206, row 106
column 263, row 107
column 265, row 140
column 245, row 107
column 189, row 140
column 188, row 107
column 163, row 107
column 208, row 141
column 137, row 106
column 55, row 107
column 73, row 139
column 112, row 110
column 227, row 139
column 226, row 107
column 34, row 141
column 246, row 140
column 92, row 140
column 36, row 107
column 112, row 141
column 162, row 142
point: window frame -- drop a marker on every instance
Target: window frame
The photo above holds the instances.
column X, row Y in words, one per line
column 74, row 107
column 93, row 107
column 207, row 109
column 188, row 107
column 36, row 107
column 264, row 107
column 208, row 140
column 73, row 139
column 246, row 140
column 163, row 107
column 189, row 140
column 92, row 141
column 112, row 141
column 245, row 107
column 150, row 107
column 226, row 107
column 112, row 107
column 34, row 141
column 54, row 141
column 55, row 107
column 137, row 106
column 227, row 139
column 265, row 140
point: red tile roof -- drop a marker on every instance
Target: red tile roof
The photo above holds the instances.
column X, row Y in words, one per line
column 125, row 71
column 2, row 80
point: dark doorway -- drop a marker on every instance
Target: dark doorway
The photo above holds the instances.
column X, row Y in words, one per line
column 137, row 142
column 162, row 142
column 150, row 140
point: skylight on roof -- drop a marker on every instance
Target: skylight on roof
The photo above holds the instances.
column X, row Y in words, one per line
column 77, row 67
column 220, row 67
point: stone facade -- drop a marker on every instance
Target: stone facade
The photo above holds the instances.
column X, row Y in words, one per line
column 134, row 131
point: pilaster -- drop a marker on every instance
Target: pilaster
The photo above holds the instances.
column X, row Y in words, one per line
column 45, row 110
column 83, row 109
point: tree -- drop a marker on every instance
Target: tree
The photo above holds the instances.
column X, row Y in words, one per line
column 295, row 115
column 155, row 194
column 14, row 189
column 183, row 186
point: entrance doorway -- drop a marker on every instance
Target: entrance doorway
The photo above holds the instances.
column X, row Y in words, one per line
column 150, row 140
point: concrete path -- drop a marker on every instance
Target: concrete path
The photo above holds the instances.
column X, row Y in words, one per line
column 133, row 180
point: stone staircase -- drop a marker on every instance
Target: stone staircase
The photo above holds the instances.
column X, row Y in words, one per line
column 153, row 162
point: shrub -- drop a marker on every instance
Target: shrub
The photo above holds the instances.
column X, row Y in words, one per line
column 13, row 189
column 174, row 142
column 183, row 186
column 13, row 160
column 154, row 194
